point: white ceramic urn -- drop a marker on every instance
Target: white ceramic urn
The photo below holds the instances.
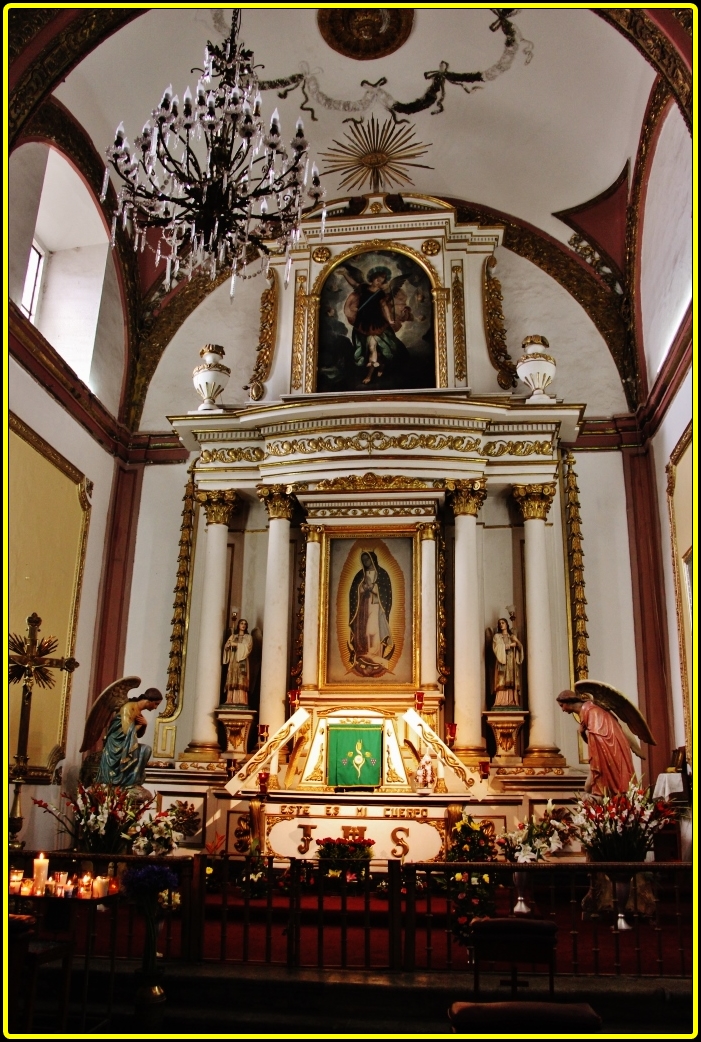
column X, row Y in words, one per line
column 211, row 377
column 536, row 368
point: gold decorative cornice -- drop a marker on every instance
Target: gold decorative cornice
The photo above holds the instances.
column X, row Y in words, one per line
column 427, row 530
column 468, row 496
column 278, row 500
column 300, row 310
column 657, row 48
column 575, row 562
column 369, row 482
column 266, row 338
column 231, row 455
column 494, row 329
column 61, row 53
column 313, row 532
column 534, row 501
column 180, row 619
column 373, row 441
column 459, row 337
column 218, row 504
column 516, row 448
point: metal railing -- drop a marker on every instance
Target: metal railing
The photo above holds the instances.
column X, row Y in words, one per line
column 387, row 916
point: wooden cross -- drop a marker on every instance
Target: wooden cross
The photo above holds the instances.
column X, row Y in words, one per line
column 30, row 664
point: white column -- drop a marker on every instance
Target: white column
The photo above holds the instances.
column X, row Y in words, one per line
column 310, row 646
column 218, row 506
column 534, row 502
column 429, row 629
column 467, row 500
column 275, row 660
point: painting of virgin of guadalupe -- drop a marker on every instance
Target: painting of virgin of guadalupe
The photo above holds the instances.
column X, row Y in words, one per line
column 370, row 611
column 376, row 328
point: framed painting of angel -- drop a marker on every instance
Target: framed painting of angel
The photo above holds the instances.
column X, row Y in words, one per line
column 376, row 325
column 370, row 605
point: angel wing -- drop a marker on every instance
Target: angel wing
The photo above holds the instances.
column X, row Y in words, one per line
column 614, row 701
column 111, row 699
column 352, row 274
column 396, row 284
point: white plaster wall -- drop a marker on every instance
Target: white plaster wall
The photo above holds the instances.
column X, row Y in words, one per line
column 109, row 354
column 44, row 415
column 26, row 171
column 607, row 571
column 536, row 304
column 155, row 563
column 217, row 320
column 70, row 303
column 666, row 256
column 671, row 429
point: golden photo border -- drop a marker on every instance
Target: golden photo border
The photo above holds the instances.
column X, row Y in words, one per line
column 365, row 532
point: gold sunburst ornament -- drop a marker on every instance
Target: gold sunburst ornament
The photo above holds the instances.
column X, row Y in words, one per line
column 381, row 155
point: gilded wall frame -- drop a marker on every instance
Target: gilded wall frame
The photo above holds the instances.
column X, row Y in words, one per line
column 345, row 664
column 680, row 555
column 307, row 305
column 48, row 747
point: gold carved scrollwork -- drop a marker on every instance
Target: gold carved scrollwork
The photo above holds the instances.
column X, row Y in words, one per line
column 430, row 247
column 441, row 297
column 575, row 561
column 266, row 340
column 377, row 244
column 321, row 254
column 298, row 652
column 459, row 336
column 180, row 604
column 277, row 500
column 494, row 328
column 218, row 505
column 318, row 772
column 369, row 482
column 468, row 496
column 516, row 448
column 310, row 360
column 534, row 501
column 373, row 441
column 298, row 329
column 233, row 455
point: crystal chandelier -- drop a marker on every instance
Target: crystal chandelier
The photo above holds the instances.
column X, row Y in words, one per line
column 219, row 184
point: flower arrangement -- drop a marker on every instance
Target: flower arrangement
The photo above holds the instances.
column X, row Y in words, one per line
column 470, row 842
column 334, row 850
column 156, row 836
column 535, row 840
column 102, row 816
column 472, row 892
column 621, row 827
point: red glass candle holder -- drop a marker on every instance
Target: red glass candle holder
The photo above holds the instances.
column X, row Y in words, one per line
column 293, row 696
column 483, row 767
column 263, row 779
column 450, row 732
column 418, row 701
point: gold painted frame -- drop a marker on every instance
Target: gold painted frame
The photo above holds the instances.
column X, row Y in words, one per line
column 309, row 303
column 379, row 685
column 679, row 557
column 42, row 774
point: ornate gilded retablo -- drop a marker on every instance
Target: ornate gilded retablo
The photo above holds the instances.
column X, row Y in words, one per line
column 365, row 33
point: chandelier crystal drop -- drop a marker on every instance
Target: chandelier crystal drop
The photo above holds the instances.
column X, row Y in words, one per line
column 217, row 181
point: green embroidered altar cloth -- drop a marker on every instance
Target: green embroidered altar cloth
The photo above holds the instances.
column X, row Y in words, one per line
column 355, row 754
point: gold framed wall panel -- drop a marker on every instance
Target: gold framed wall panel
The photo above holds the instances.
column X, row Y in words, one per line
column 49, row 521
column 332, row 680
column 683, row 603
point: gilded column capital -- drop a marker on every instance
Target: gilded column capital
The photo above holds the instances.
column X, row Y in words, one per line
column 312, row 532
column 218, row 504
column 277, row 500
column 467, row 497
column 534, row 501
column 427, row 530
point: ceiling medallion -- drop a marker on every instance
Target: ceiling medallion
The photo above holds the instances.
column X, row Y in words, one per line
column 379, row 154
column 365, row 33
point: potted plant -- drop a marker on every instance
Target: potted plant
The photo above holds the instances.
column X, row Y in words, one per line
column 336, row 856
column 472, row 891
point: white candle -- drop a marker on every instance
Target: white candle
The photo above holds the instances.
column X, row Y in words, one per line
column 100, row 886
column 41, row 872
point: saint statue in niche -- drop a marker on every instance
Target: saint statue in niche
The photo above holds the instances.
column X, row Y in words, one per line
column 237, row 652
column 370, row 644
column 508, row 658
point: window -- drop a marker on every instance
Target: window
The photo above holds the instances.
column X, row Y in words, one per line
column 32, row 283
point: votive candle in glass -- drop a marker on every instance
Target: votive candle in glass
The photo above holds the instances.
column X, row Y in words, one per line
column 16, row 875
column 27, row 887
column 41, row 873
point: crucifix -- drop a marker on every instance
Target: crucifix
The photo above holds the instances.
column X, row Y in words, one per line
column 30, row 664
